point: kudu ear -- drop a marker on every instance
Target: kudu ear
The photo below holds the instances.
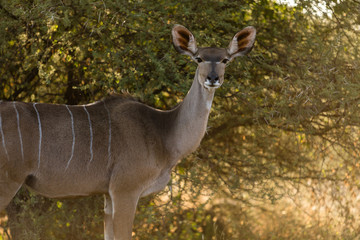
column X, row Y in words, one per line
column 242, row 42
column 183, row 40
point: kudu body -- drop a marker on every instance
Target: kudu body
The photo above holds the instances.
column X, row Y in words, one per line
column 117, row 147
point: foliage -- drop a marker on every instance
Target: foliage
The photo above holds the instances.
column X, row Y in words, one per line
column 285, row 121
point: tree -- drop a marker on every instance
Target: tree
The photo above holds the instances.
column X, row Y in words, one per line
column 286, row 118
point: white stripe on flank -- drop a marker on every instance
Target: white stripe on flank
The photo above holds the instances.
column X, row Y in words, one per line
column 19, row 131
column 3, row 139
column 73, row 134
column 40, row 133
column 91, row 135
column 109, row 118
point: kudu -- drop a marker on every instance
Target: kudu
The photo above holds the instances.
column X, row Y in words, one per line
column 117, row 147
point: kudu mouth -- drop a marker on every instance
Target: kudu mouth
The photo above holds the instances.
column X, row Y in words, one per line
column 211, row 84
column 212, row 80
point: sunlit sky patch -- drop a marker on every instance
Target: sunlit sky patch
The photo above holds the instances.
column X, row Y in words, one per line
column 319, row 7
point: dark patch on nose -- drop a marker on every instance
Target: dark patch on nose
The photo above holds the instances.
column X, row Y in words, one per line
column 213, row 77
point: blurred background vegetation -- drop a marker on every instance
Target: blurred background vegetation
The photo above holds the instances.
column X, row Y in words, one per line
column 281, row 156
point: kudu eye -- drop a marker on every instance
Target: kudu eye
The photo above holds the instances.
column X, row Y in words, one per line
column 225, row 61
column 199, row 60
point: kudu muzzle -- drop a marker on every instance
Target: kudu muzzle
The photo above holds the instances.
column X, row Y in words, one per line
column 212, row 80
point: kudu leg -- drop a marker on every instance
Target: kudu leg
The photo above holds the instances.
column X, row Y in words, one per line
column 108, row 219
column 124, row 207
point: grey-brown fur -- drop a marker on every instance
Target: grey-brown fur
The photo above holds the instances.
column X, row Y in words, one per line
column 118, row 147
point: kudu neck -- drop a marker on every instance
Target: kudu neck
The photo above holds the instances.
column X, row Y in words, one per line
column 191, row 118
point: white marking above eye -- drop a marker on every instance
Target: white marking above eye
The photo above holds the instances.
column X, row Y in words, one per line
column 208, row 62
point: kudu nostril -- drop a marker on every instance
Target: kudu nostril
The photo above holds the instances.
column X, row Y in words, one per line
column 212, row 79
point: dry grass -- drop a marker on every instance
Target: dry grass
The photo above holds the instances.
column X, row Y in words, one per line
column 313, row 211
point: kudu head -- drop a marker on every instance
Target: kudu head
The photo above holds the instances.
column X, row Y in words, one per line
column 212, row 60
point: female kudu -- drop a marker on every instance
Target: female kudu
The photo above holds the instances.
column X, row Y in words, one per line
column 117, row 147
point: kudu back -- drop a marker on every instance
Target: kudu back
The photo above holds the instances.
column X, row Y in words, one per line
column 117, row 147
